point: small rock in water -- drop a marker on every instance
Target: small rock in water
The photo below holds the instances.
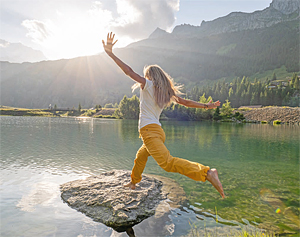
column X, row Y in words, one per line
column 104, row 199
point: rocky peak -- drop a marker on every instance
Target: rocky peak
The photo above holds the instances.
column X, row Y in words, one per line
column 158, row 33
column 286, row 6
column 278, row 11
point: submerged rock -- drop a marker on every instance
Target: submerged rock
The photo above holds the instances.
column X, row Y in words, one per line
column 104, row 199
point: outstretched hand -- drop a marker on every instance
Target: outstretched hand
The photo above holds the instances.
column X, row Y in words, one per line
column 213, row 105
column 109, row 43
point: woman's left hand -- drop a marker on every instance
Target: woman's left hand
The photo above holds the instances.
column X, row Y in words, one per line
column 213, row 105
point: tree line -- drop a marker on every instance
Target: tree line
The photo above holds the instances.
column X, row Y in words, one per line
column 242, row 92
column 235, row 94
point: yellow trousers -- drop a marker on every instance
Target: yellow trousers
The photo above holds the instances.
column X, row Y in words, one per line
column 153, row 137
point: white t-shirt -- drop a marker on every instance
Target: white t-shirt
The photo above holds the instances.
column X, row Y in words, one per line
column 149, row 109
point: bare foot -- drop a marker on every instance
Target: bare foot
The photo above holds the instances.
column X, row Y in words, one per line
column 130, row 185
column 213, row 178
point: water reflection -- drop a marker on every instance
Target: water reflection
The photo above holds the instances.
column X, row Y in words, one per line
column 42, row 193
column 39, row 154
column 129, row 130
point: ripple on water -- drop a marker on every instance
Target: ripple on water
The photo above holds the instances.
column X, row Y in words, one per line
column 38, row 154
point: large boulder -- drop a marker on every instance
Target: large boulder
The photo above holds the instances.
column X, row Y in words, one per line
column 104, row 199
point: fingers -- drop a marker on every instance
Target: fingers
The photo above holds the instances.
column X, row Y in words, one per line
column 103, row 43
column 110, row 38
column 115, row 42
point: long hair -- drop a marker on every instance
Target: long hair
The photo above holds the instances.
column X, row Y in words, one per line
column 165, row 90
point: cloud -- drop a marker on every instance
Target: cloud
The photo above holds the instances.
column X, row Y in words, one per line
column 138, row 19
column 37, row 30
column 76, row 30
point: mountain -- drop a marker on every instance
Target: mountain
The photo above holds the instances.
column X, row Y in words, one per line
column 285, row 6
column 158, row 33
column 87, row 80
column 190, row 58
column 18, row 53
column 278, row 11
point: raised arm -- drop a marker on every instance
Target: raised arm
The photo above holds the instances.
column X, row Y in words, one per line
column 125, row 68
column 194, row 104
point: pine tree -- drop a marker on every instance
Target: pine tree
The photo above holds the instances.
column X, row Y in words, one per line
column 293, row 80
column 261, row 98
column 296, row 84
column 274, row 78
column 202, row 99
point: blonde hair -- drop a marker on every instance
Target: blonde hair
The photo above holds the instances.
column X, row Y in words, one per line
column 165, row 90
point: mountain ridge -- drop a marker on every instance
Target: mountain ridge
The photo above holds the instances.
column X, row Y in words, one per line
column 278, row 11
column 19, row 53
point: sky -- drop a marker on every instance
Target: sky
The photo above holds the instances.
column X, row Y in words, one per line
column 72, row 28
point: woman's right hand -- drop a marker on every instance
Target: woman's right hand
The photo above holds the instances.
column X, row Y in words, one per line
column 109, row 43
column 213, row 105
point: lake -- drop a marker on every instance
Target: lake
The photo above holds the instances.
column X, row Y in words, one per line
column 258, row 165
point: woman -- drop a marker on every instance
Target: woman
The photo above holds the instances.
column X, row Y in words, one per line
column 157, row 92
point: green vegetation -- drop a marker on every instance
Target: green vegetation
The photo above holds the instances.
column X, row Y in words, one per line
column 128, row 108
column 111, row 105
column 5, row 110
column 276, row 122
column 97, row 112
column 238, row 92
column 243, row 92
column 226, row 49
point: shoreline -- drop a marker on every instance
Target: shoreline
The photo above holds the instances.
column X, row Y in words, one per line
column 264, row 115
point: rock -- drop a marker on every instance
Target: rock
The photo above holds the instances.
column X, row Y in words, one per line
column 278, row 11
column 159, row 33
column 104, row 199
column 286, row 6
column 270, row 114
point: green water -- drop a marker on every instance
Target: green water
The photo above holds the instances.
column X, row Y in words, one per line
column 258, row 166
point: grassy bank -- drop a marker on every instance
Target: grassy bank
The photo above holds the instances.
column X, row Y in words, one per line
column 265, row 115
column 12, row 111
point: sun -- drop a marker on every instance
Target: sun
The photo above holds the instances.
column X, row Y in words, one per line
column 74, row 32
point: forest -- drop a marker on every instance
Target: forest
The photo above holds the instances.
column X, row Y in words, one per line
column 241, row 92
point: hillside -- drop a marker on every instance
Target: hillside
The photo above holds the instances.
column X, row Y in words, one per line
column 188, row 58
column 86, row 80
column 18, row 53
column 241, row 53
